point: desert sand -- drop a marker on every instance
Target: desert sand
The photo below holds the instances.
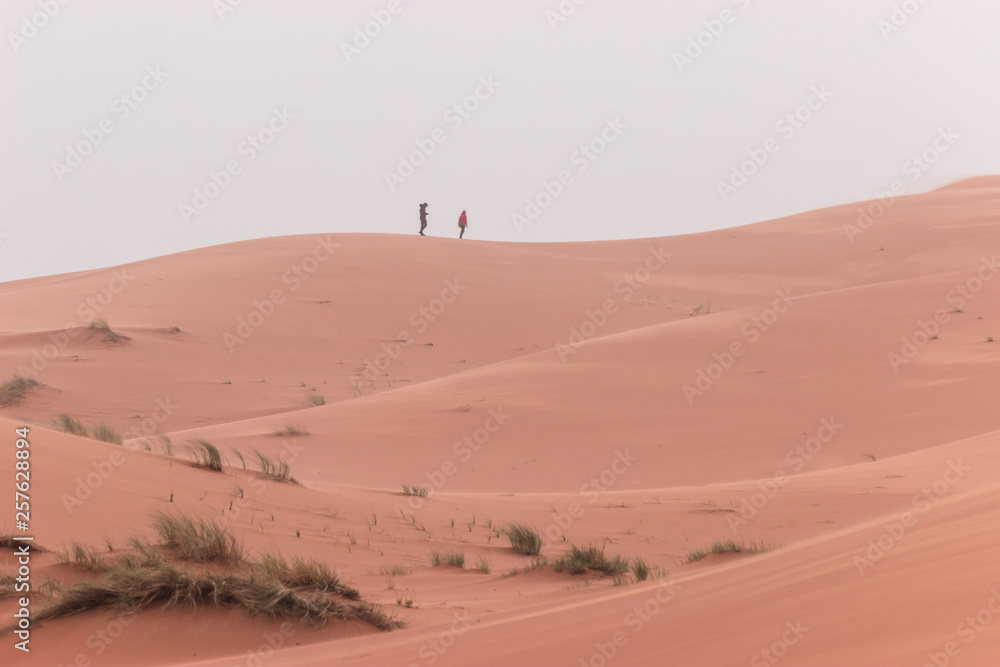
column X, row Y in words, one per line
column 819, row 386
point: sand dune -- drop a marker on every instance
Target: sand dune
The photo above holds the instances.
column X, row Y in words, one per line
column 823, row 384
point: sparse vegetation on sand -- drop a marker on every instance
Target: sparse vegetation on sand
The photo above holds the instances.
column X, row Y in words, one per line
column 7, row 585
column 271, row 586
column 102, row 431
column 105, row 433
column 197, row 539
column 110, row 335
column 83, row 557
column 525, row 539
column 279, row 470
column 8, row 542
column 16, row 389
column 72, row 425
column 290, row 430
column 591, row 557
column 315, row 400
column 415, row 491
column 453, row 558
column 640, row 569
column 206, row 455
column 729, row 546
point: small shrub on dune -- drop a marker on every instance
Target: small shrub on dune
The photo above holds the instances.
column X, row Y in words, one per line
column 109, row 335
column 730, row 546
column 290, row 430
column 302, row 574
column 696, row 555
column 640, row 569
column 591, row 557
column 16, row 389
column 414, row 491
column 315, row 400
column 143, row 554
column 69, row 424
column 134, row 588
column 197, row 539
column 104, row 432
column 206, row 455
column 278, row 470
column 8, row 542
column 83, row 557
column 7, row 581
column 525, row 539
column 453, row 558
column 141, row 578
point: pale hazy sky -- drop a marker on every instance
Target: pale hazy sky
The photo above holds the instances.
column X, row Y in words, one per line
column 115, row 113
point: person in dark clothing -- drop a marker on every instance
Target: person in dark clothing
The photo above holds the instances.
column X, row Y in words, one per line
column 463, row 222
column 423, row 218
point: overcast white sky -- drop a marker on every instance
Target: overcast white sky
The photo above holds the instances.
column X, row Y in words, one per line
column 88, row 179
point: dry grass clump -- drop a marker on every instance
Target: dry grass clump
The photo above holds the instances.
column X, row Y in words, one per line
column 83, row 557
column 134, row 588
column 107, row 434
column 197, row 539
column 525, row 539
column 104, row 329
column 72, row 425
column 591, row 557
column 730, row 546
column 143, row 577
column 453, row 558
column 302, row 574
column 8, row 542
column 279, row 470
column 7, row 581
column 206, row 455
column 15, row 390
column 290, row 430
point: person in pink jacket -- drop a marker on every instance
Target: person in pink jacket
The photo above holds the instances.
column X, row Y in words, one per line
column 463, row 222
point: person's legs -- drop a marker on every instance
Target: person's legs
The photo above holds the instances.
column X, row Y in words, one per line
column 460, row 233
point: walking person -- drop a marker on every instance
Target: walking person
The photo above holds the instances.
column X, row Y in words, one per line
column 423, row 218
column 463, row 222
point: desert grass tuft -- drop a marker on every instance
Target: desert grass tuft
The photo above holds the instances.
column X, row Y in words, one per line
column 8, row 542
column 83, row 557
column 415, row 491
column 301, row 574
column 197, row 539
column 315, row 400
column 290, row 430
column 729, row 546
column 110, row 335
column 591, row 557
column 206, row 455
column 16, row 389
column 279, row 470
column 453, row 558
column 69, row 424
column 640, row 569
column 135, row 588
column 107, row 434
column 7, row 581
column 525, row 539
column 484, row 565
